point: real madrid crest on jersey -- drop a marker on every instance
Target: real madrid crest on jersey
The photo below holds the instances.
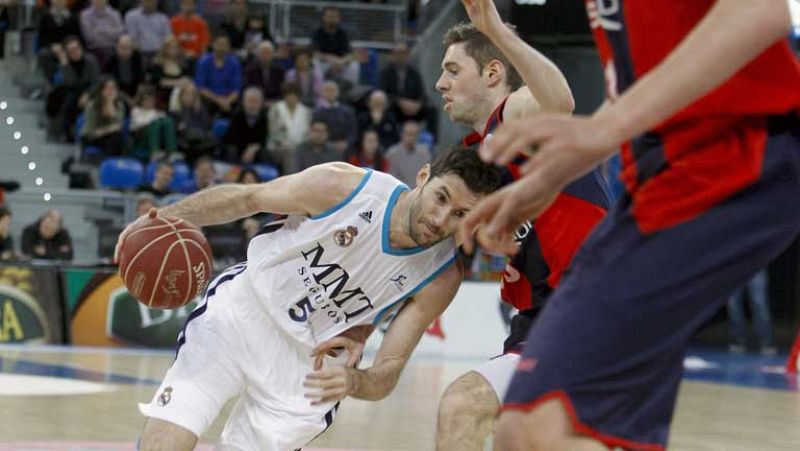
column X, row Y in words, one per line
column 343, row 237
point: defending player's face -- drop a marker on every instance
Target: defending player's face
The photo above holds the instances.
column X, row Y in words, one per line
column 438, row 208
column 461, row 85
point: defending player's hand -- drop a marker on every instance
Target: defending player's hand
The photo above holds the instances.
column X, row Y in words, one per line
column 483, row 14
column 473, row 227
column 331, row 384
column 332, row 348
column 567, row 147
column 150, row 215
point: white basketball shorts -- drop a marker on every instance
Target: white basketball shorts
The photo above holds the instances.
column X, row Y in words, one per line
column 231, row 346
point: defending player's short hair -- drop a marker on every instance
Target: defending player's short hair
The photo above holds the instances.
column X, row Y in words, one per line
column 482, row 50
column 464, row 162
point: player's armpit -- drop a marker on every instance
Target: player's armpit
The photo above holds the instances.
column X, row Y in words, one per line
column 521, row 103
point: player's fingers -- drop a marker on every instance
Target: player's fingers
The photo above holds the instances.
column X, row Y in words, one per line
column 318, row 362
column 502, row 222
column 479, row 215
column 152, row 213
column 354, row 356
column 322, row 383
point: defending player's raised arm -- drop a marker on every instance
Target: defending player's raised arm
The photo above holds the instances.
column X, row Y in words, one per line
column 376, row 382
column 547, row 89
column 309, row 192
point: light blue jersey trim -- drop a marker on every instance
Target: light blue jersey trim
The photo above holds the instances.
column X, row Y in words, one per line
column 422, row 284
column 386, row 245
column 347, row 199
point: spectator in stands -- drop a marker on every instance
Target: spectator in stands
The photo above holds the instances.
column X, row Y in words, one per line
column 289, row 121
column 369, row 68
column 148, row 27
column 246, row 137
column 257, row 32
column 6, row 243
column 407, row 157
column 144, row 202
column 105, row 115
column 153, row 131
column 405, row 88
column 308, row 77
column 332, row 45
column 47, row 238
column 340, row 118
column 195, row 138
column 79, row 73
column 205, row 175
column 170, row 65
column 218, row 77
column 262, row 73
column 369, row 154
column 236, row 27
column 127, row 68
column 379, row 117
column 101, row 26
column 56, row 22
column 316, row 150
column 190, row 29
column 162, row 179
column 248, row 176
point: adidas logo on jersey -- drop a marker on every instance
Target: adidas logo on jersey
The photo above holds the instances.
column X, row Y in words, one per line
column 366, row 215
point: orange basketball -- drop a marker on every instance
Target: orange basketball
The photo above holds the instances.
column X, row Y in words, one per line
column 165, row 262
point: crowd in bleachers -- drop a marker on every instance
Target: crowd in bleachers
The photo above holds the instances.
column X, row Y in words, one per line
column 166, row 106
column 128, row 82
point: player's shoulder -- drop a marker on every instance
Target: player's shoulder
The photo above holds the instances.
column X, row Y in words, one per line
column 333, row 181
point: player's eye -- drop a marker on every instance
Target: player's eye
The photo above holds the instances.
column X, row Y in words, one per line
column 440, row 198
column 460, row 213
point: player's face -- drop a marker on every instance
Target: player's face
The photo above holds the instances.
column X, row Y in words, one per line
column 438, row 207
column 461, row 85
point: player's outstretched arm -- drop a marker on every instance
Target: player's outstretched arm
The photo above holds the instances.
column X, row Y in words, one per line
column 374, row 383
column 547, row 88
column 308, row 192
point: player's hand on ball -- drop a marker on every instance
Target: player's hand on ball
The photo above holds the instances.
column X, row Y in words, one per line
column 332, row 347
column 330, row 384
column 118, row 248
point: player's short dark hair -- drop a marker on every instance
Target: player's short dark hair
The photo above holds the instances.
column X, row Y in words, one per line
column 464, row 162
column 482, row 50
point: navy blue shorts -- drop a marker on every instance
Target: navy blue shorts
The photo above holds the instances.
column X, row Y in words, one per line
column 610, row 342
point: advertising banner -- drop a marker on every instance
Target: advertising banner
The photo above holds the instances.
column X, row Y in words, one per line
column 30, row 304
column 103, row 313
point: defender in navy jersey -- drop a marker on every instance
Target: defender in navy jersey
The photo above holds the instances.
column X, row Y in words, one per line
column 491, row 75
column 356, row 245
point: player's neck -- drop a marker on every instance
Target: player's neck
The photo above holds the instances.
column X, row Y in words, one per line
column 485, row 113
column 399, row 238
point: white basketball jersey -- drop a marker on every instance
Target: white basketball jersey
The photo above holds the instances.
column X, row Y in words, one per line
column 319, row 276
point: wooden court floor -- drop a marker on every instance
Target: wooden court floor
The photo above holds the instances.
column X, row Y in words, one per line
column 54, row 398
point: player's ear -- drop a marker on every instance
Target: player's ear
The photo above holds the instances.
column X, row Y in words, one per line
column 423, row 175
column 495, row 72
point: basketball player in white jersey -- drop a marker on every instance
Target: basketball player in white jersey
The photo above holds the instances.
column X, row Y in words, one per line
column 356, row 245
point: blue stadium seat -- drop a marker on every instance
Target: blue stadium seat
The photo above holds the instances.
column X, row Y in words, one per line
column 181, row 177
column 426, row 138
column 266, row 172
column 220, row 128
column 124, row 173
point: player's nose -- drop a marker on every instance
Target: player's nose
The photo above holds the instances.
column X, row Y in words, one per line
column 440, row 84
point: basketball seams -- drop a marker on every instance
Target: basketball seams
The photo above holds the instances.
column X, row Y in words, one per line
column 142, row 250
column 180, row 241
column 157, row 281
